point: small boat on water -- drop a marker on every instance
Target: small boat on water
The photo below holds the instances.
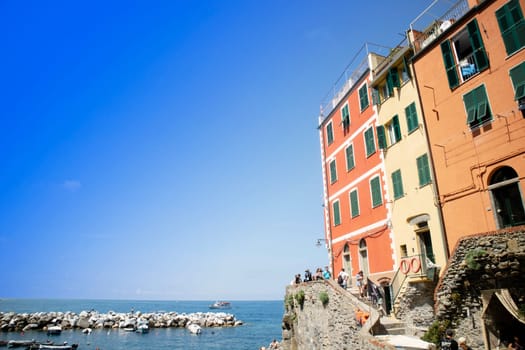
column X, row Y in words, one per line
column 58, row 347
column 54, row 330
column 20, row 343
column 142, row 328
column 221, row 305
column 194, row 328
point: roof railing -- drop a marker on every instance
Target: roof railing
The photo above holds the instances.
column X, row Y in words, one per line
column 434, row 20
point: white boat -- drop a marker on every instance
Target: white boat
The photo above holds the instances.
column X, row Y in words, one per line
column 54, row 330
column 59, row 347
column 194, row 328
column 221, row 305
column 142, row 328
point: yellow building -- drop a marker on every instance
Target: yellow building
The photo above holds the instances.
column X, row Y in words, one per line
column 418, row 237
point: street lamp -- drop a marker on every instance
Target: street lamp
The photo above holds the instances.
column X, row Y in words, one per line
column 319, row 240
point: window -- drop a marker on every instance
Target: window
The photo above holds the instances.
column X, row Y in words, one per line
column 363, row 97
column 370, row 144
column 336, row 213
column 392, row 80
column 411, row 115
column 329, row 133
column 333, row 172
column 397, row 183
column 512, row 26
column 477, row 106
column 423, row 170
column 385, row 92
column 345, row 117
column 354, row 204
column 375, row 190
column 350, row 163
column 517, row 75
column 404, row 251
column 393, row 129
column 376, row 96
column 405, row 71
column 464, row 55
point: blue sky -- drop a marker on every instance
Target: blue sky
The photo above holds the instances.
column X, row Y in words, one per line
column 169, row 149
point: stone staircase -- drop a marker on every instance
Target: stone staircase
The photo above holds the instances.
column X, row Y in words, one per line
column 389, row 324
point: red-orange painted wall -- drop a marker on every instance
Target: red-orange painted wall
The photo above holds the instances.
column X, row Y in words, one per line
column 377, row 239
column 463, row 158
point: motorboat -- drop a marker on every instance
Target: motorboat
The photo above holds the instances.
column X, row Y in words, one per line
column 59, row 347
column 221, row 305
column 194, row 328
column 54, row 330
column 142, row 328
column 20, row 343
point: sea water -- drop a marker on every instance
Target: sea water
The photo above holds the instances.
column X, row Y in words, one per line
column 262, row 324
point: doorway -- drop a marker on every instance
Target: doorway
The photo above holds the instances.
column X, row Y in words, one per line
column 507, row 201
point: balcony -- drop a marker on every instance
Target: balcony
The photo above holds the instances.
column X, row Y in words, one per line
column 436, row 19
column 352, row 75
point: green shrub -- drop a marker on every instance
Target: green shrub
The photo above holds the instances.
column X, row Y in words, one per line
column 299, row 297
column 472, row 256
column 288, row 302
column 323, row 296
column 436, row 331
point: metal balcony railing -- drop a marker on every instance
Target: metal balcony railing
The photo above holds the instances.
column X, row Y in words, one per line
column 436, row 18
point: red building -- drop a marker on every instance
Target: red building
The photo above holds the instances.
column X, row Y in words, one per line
column 356, row 214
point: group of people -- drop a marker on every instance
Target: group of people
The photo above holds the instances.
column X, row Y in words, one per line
column 320, row 274
column 449, row 343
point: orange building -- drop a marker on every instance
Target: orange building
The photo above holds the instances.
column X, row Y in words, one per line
column 470, row 70
column 356, row 217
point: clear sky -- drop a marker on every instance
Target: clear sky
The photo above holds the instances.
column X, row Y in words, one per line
column 169, row 149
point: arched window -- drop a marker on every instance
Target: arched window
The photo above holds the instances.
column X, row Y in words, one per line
column 363, row 257
column 347, row 262
column 507, row 201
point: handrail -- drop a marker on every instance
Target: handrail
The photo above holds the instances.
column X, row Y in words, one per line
column 417, row 265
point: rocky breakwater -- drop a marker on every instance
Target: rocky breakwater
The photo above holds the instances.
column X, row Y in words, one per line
column 16, row 322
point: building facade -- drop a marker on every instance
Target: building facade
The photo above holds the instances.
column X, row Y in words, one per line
column 357, row 225
column 470, row 73
column 418, row 235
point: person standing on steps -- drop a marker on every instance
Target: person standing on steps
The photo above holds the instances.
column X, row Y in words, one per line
column 360, row 283
column 448, row 342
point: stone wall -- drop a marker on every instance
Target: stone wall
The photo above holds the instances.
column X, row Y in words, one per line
column 332, row 326
column 416, row 307
column 484, row 262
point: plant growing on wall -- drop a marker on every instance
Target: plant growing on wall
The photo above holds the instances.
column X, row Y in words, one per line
column 472, row 258
column 436, row 331
column 323, row 296
column 288, row 302
column 299, row 297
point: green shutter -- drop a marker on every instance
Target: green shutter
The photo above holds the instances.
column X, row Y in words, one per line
column 345, row 116
column 512, row 26
column 411, row 116
column 477, row 106
column 450, row 67
column 329, row 133
column 363, row 97
column 337, row 213
column 376, row 99
column 350, row 164
column 381, row 138
column 517, row 75
column 395, row 77
column 480, row 56
column 390, row 84
column 423, row 170
column 397, row 127
column 354, row 203
column 333, row 172
column 397, row 183
column 369, row 142
column 377, row 199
